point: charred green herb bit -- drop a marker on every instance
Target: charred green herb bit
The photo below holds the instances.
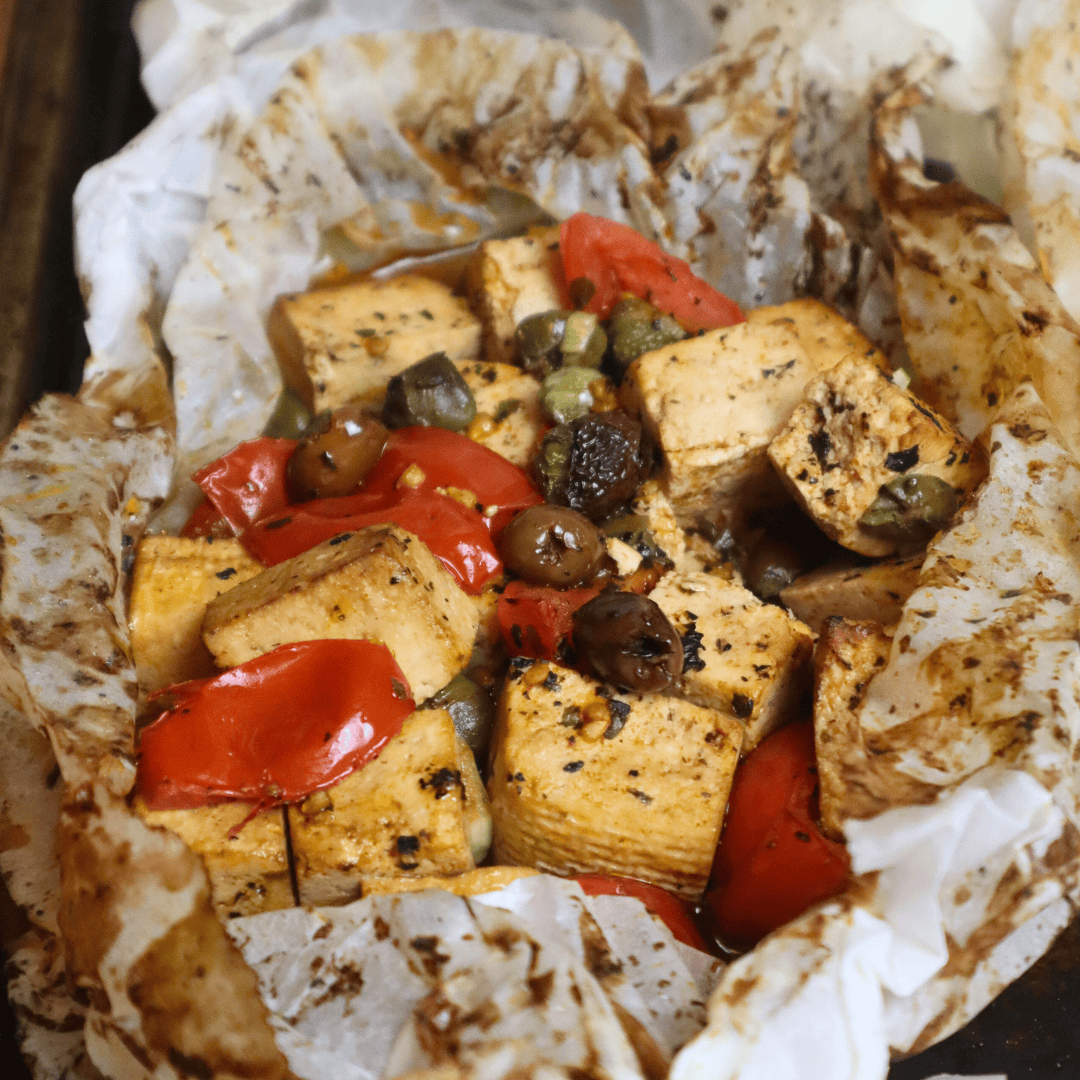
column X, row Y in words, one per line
column 430, row 393
column 471, row 709
column 554, row 339
column 565, row 396
column 910, row 509
column 636, row 327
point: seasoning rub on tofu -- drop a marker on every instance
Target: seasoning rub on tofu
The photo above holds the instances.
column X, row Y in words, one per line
column 404, row 814
column 585, row 779
column 380, row 583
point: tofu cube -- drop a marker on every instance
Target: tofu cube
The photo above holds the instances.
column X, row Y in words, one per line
column 878, row 591
column 174, row 579
column 751, row 656
column 509, row 280
column 652, row 504
column 380, row 583
column 854, row 431
column 825, row 334
column 344, row 343
column 585, row 779
column 248, row 869
column 400, row 815
column 508, row 416
column 849, row 654
column 713, row 404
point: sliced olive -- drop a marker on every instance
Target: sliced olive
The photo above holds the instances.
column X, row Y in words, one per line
column 337, row 450
column 773, row 566
column 606, row 464
column 633, row 529
column 557, row 338
column 636, row 327
column 430, row 393
column 552, row 545
column 565, row 396
column 289, row 418
column 910, row 509
column 472, row 710
column 626, row 640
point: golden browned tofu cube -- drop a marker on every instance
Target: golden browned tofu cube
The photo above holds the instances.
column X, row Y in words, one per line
column 750, row 658
column 346, row 342
column 856, row 431
column 878, row 591
column 380, row 584
column 173, row 581
column 585, row 779
column 400, row 815
column 246, row 861
column 508, row 416
column 848, row 656
column 825, row 334
column 509, row 280
column 714, row 403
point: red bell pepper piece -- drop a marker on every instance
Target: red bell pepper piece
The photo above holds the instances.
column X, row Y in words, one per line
column 670, row 910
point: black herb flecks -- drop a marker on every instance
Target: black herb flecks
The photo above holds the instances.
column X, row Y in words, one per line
column 692, row 643
column 902, row 460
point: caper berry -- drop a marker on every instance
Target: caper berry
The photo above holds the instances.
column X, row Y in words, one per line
column 430, row 393
column 564, row 395
column 337, row 450
column 552, row 545
column 910, row 509
column 625, row 639
column 636, row 327
column 557, row 338
column 472, row 710
column 289, row 418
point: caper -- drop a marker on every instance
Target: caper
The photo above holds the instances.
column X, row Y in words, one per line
column 552, row 545
column 633, row 529
column 430, row 393
column 773, row 565
column 636, row 327
column 625, row 639
column 557, row 338
column 552, row 464
column 910, row 509
column 337, row 450
column 565, row 396
column 472, row 710
column 289, row 418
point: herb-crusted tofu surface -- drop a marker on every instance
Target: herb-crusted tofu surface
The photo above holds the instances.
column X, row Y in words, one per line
column 508, row 415
column 344, row 343
column 402, row 815
column 379, row 583
column 585, row 779
column 743, row 657
column 856, row 431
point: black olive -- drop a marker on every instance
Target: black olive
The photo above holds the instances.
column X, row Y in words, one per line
column 337, row 450
column 910, row 509
column 773, row 565
column 552, row 545
column 606, row 464
column 472, row 710
column 636, row 327
column 626, row 640
column 430, row 393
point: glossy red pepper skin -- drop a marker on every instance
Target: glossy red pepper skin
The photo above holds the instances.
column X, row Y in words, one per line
column 534, row 620
column 273, row 730
column 248, row 483
column 673, row 912
column 618, row 259
column 773, row 861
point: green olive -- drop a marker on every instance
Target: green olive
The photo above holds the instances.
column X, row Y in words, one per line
column 289, row 418
column 337, row 450
column 430, row 393
column 564, row 395
column 558, row 338
column 552, row 545
column 636, row 327
column 472, row 710
column 625, row 639
column 552, row 464
column 910, row 509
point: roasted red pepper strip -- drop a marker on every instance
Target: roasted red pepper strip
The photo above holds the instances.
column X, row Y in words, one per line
column 670, row 910
column 617, row 259
column 275, row 729
column 534, row 619
column 248, row 483
column 773, row 862
column 456, row 534
column 205, row 520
